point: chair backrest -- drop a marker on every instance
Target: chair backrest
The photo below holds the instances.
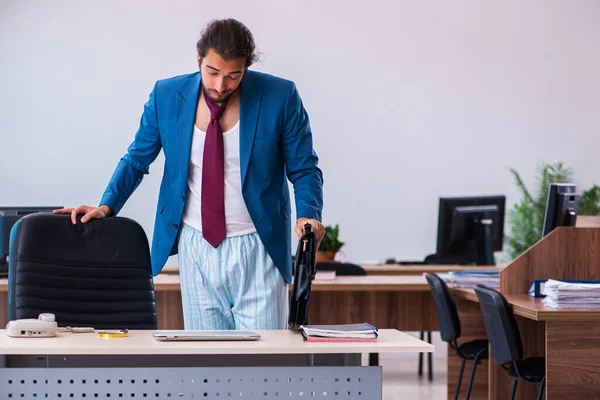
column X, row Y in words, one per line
column 341, row 268
column 95, row 274
column 500, row 325
column 445, row 308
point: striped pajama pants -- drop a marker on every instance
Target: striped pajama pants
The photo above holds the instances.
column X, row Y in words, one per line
column 235, row 286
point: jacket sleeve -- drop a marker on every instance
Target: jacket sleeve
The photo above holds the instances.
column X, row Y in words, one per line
column 301, row 160
column 136, row 162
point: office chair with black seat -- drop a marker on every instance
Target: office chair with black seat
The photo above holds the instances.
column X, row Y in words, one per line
column 450, row 331
column 96, row 274
column 505, row 341
column 341, row 269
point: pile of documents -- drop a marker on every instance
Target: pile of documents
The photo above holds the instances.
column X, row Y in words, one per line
column 339, row 333
column 571, row 295
column 325, row 275
column 469, row 278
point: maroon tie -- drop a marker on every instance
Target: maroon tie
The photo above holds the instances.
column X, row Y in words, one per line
column 213, row 178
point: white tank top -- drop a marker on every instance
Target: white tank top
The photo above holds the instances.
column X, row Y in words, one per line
column 237, row 218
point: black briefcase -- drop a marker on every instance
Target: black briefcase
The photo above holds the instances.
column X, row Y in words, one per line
column 305, row 268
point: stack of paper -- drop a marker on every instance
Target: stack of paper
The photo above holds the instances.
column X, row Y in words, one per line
column 469, row 278
column 571, row 295
column 339, row 333
column 325, row 275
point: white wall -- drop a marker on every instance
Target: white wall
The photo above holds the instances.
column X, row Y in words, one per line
column 409, row 100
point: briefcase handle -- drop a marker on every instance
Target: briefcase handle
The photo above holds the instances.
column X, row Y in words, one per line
column 307, row 228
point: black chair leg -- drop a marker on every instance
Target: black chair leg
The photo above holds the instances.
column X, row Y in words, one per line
column 460, row 374
column 421, row 356
column 541, row 389
column 429, row 359
column 373, row 359
column 513, row 392
column 475, row 362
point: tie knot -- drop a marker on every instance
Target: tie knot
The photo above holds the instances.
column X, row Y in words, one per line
column 216, row 111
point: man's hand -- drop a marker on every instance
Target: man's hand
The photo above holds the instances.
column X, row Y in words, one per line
column 317, row 227
column 88, row 211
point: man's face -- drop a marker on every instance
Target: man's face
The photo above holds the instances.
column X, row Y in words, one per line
column 220, row 77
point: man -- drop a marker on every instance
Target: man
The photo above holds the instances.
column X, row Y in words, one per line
column 229, row 136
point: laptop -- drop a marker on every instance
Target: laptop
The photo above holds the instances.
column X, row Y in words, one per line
column 191, row 335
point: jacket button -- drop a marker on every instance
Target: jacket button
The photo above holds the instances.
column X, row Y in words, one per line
column 175, row 225
column 183, row 198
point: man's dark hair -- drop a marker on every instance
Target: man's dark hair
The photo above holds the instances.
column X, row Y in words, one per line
column 230, row 38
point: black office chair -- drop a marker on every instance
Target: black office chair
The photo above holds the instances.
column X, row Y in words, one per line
column 505, row 340
column 341, row 269
column 96, row 274
column 450, row 331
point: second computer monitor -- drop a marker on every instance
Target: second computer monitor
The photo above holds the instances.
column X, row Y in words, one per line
column 470, row 229
column 561, row 207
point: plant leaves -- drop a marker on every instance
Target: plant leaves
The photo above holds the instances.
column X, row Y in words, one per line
column 330, row 241
column 589, row 202
column 521, row 185
column 526, row 218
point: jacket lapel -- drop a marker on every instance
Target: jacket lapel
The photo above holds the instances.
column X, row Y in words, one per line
column 187, row 103
column 250, row 98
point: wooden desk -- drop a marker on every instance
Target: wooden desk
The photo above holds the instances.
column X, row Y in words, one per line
column 395, row 269
column 386, row 269
column 376, row 283
column 140, row 342
column 569, row 339
column 394, row 302
column 534, row 308
column 279, row 364
column 411, row 283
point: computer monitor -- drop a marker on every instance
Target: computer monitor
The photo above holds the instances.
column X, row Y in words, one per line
column 561, row 207
column 470, row 229
column 8, row 217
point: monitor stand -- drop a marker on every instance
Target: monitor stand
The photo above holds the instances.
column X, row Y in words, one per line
column 485, row 254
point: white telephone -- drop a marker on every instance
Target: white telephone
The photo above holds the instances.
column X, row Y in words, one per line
column 44, row 326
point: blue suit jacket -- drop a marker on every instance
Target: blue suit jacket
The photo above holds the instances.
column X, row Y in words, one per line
column 275, row 141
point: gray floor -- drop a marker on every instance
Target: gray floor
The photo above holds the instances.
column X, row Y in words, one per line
column 400, row 378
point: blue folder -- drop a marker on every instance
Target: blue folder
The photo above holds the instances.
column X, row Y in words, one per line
column 491, row 272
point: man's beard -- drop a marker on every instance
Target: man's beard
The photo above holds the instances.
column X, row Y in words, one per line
column 219, row 98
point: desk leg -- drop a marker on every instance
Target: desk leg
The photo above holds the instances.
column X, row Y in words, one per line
column 573, row 360
column 472, row 328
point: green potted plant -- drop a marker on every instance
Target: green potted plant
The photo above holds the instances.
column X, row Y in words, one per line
column 330, row 244
column 589, row 202
column 526, row 218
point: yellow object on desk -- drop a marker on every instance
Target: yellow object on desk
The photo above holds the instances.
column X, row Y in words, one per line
column 112, row 334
